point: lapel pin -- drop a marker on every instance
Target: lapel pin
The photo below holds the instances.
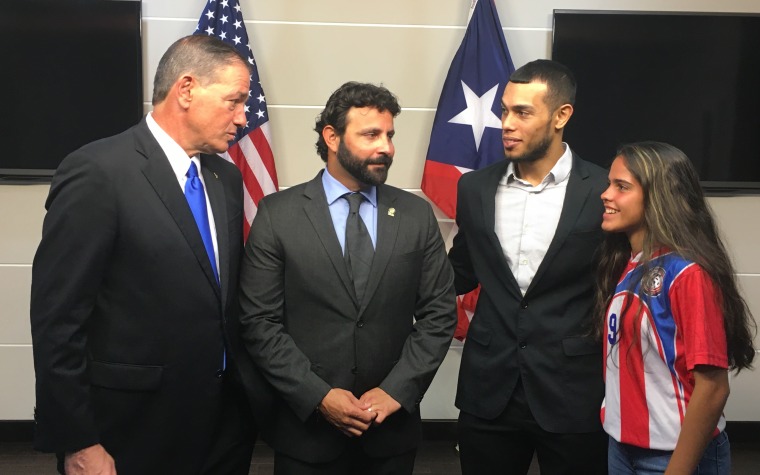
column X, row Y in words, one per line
column 391, row 212
column 216, row 176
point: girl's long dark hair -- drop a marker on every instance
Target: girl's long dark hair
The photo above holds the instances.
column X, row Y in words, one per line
column 676, row 216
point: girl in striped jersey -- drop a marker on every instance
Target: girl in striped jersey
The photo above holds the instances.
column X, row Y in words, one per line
column 674, row 321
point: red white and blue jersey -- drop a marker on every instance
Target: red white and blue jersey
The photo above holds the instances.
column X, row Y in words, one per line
column 659, row 327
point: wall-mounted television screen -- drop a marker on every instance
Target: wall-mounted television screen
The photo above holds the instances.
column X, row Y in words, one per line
column 72, row 73
column 689, row 79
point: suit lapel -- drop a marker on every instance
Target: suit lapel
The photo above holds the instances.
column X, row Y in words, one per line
column 215, row 191
column 387, row 230
column 319, row 215
column 488, row 205
column 576, row 195
column 159, row 173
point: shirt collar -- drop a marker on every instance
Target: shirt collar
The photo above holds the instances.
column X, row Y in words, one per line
column 176, row 155
column 335, row 190
column 559, row 172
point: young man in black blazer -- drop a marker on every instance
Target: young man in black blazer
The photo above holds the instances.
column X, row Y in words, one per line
column 530, row 379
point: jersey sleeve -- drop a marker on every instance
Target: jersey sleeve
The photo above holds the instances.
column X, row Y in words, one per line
column 695, row 303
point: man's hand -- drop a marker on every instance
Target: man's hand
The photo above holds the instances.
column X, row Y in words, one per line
column 93, row 460
column 341, row 409
column 379, row 402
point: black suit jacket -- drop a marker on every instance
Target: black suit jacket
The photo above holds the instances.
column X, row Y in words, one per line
column 542, row 337
column 128, row 321
column 308, row 334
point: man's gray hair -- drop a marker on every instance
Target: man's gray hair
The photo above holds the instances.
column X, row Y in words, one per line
column 198, row 55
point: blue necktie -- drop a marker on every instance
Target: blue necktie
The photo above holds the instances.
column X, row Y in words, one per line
column 196, row 198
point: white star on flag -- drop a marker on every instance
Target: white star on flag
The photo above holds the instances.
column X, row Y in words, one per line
column 478, row 114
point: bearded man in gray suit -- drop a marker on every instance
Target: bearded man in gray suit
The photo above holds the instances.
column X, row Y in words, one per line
column 349, row 352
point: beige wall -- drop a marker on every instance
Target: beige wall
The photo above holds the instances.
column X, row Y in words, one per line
column 306, row 49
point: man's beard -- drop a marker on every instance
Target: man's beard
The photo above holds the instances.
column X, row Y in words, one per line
column 359, row 168
column 534, row 154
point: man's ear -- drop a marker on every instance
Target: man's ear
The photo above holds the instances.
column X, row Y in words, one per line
column 185, row 87
column 332, row 139
column 563, row 115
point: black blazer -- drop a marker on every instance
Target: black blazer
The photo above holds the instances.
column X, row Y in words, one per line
column 308, row 334
column 542, row 337
column 128, row 322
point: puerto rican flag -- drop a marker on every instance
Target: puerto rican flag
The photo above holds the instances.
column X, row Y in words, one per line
column 466, row 131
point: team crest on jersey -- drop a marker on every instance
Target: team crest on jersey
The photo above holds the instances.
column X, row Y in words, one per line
column 652, row 282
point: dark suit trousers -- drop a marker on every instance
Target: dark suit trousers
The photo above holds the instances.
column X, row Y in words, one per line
column 233, row 439
column 506, row 444
column 235, row 436
column 353, row 461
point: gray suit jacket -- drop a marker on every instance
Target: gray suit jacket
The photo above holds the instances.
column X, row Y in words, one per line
column 308, row 334
column 543, row 337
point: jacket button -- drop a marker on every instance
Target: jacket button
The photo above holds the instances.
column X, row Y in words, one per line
column 354, row 370
column 523, row 345
column 360, row 323
column 523, row 304
column 219, row 373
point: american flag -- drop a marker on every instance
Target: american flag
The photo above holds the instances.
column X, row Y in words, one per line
column 466, row 131
column 251, row 150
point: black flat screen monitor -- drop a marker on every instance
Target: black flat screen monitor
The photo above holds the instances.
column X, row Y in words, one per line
column 72, row 73
column 689, row 79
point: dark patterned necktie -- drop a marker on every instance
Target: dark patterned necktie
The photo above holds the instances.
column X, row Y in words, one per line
column 359, row 250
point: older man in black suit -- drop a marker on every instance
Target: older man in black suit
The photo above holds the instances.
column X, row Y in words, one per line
column 530, row 380
column 133, row 282
column 348, row 300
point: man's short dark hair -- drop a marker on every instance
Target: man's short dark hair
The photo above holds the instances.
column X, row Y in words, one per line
column 352, row 94
column 559, row 80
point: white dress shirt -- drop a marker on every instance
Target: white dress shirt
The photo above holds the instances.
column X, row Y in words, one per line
column 527, row 217
column 180, row 163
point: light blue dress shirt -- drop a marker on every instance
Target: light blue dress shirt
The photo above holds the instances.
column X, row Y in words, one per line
column 334, row 190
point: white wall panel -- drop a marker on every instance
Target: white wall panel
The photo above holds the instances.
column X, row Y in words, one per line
column 538, row 13
column 15, row 284
column 17, row 375
column 738, row 218
column 157, row 35
column 417, row 12
column 22, row 209
column 743, row 402
column 534, row 14
column 302, row 64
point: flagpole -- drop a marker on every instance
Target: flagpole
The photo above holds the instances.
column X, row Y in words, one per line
column 473, row 3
